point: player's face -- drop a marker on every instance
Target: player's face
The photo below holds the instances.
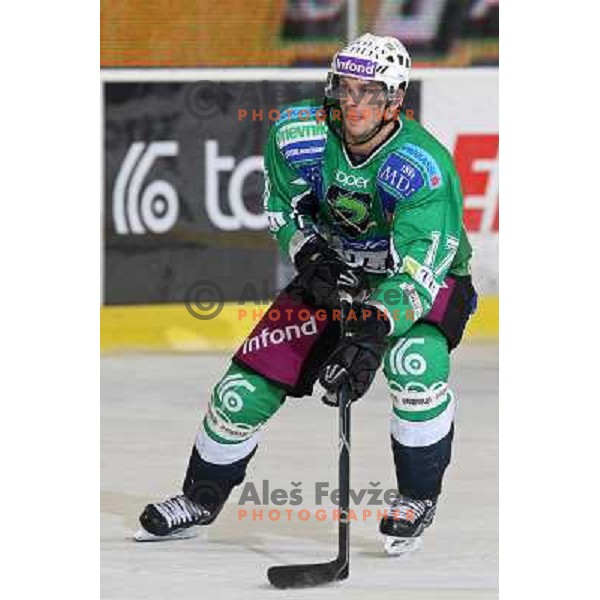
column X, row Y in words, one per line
column 362, row 104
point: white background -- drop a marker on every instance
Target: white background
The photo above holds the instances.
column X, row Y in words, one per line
column 51, row 293
column 460, row 102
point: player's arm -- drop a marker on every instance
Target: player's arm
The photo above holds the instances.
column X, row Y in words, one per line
column 288, row 200
column 425, row 237
column 292, row 209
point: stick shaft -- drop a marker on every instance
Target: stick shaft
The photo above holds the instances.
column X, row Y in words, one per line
column 344, row 457
column 344, row 474
column 309, row 575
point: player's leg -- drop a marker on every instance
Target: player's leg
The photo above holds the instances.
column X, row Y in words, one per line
column 241, row 403
column 285, row 347
column 417, row 368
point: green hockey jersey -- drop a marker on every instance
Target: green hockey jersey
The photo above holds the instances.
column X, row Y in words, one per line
column 397, row 214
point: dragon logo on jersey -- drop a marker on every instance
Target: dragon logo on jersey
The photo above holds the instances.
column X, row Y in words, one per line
column 352, row 210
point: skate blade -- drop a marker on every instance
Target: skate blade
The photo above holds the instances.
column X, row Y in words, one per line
column 141, row 535
column 397, row 546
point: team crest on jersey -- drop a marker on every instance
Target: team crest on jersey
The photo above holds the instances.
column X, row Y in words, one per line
column 352, row 210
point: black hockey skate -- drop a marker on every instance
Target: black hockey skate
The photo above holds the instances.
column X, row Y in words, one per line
column 175, row 518
column 404, row 523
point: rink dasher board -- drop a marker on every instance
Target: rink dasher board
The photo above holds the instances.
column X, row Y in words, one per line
column 458, row 105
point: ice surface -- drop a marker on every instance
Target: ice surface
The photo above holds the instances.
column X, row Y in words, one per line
column 151, row 406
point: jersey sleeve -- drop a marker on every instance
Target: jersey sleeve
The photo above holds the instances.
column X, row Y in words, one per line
column 424, row 239
column 288, row 200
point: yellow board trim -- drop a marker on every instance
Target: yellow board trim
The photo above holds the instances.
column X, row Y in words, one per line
column 170, row 327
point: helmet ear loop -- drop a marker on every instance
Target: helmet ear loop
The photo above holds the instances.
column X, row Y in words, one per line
column 331, row 102
column 327, row 109
column 386, row 109
column 390, row 97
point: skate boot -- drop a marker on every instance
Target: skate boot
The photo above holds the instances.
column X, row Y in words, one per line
column 404, row 522
column 175, row 518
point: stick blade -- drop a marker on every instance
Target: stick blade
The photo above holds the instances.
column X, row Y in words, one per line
column 310, row 575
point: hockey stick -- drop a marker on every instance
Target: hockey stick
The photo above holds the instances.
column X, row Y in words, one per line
column 310, row 575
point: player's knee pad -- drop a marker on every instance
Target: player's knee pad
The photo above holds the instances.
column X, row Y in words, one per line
column 417, row 367
column 241, row 403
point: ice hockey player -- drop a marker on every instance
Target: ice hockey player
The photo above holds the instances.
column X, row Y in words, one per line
column 364, row 200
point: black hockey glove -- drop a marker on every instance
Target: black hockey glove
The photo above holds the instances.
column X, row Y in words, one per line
column 358, row 356
column 323, row 273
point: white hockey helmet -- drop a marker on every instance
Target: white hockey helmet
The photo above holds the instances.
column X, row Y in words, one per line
column 374, row 58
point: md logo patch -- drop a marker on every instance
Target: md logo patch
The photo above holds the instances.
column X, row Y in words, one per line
column 400, row 177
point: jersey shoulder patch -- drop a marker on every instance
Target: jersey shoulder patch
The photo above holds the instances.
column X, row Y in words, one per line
column 407, row 170
column 301, row 134
column 399, row 176
column 425, row 162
